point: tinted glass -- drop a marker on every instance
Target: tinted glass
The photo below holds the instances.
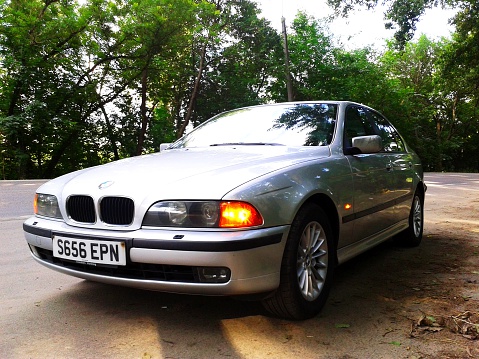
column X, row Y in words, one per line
column 288, row 125
column 357, row 124
column 392, row 142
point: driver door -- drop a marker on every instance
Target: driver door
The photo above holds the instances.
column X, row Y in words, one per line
column 373, row 181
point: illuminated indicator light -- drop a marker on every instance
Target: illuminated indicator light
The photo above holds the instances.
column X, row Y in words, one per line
column 348, row 206
column 239, row 214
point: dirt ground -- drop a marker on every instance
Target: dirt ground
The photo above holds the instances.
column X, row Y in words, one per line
column 426, row 299
column 391, row 302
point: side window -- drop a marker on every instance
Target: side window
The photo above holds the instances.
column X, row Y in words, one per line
column 392, row 142
column 357, row 124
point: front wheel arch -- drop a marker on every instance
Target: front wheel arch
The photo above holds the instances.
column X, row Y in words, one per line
column 412, row 236
column 329, row 208
column 307, row 266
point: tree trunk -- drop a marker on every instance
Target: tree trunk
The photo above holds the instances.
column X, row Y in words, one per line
column 58, row 153
column 16, row 139
column 194, row 94
column 439, row 144
column 111, row 136
column 289, row 84
column 144, row 117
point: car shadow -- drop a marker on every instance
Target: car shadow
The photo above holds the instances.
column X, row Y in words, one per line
column 382, row 288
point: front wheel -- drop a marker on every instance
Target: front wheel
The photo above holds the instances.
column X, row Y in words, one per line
column 307, row 267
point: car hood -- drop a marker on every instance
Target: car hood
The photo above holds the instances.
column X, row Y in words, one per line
column 192, row 173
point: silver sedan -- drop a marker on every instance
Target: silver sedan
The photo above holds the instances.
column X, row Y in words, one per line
column 261, row 201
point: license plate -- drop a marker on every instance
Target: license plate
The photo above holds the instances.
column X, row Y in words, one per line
column 89, row 251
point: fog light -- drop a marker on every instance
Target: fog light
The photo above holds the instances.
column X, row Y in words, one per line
column 34, row 250
column 214, row 274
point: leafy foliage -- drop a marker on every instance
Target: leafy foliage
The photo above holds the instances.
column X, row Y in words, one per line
column 402, row 15
column 86, row 83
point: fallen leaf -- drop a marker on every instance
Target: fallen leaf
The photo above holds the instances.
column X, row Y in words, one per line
column 465, row 324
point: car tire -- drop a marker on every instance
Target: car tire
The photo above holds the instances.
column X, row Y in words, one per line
column 307, row 267
column 412, row 236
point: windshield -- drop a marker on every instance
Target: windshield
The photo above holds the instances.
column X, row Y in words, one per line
column 285, row 125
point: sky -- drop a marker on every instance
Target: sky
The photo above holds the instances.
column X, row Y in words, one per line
column 352, row 31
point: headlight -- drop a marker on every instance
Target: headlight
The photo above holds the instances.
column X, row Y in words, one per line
column 207, row 214
column 172, row 212
column 46, row 205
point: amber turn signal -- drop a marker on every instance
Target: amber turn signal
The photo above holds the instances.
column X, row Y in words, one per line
column 239, row 214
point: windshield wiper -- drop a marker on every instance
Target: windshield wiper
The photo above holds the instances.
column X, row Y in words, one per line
column 246, row 144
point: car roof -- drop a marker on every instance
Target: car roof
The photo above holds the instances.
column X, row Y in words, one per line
column 333, row 102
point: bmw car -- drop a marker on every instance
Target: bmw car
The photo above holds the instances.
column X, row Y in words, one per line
column 260, row 202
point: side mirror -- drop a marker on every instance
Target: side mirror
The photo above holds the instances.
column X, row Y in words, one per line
column 366, row 144
column 164, row 146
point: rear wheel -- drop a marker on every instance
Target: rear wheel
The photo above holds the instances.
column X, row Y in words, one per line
column 307, row 267
column 412, row 236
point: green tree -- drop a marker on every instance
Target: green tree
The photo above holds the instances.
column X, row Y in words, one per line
column 311, row 59
column 321, row 70
column 34, row 35
column 83, row 84
column 438, row 114
column 231, row 60
column 402, row 15
column 64, row 63
column 238, row 72
column 460, row 72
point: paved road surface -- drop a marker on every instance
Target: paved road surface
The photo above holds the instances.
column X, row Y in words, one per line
column 44, row 314
column 16, row 198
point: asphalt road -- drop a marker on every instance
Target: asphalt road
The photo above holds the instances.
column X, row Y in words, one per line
column 16, row 198
column 45, row 314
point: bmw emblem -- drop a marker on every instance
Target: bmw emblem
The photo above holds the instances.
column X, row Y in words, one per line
column 105, row 184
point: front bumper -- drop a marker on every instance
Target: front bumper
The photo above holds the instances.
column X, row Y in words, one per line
column 165, row 259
